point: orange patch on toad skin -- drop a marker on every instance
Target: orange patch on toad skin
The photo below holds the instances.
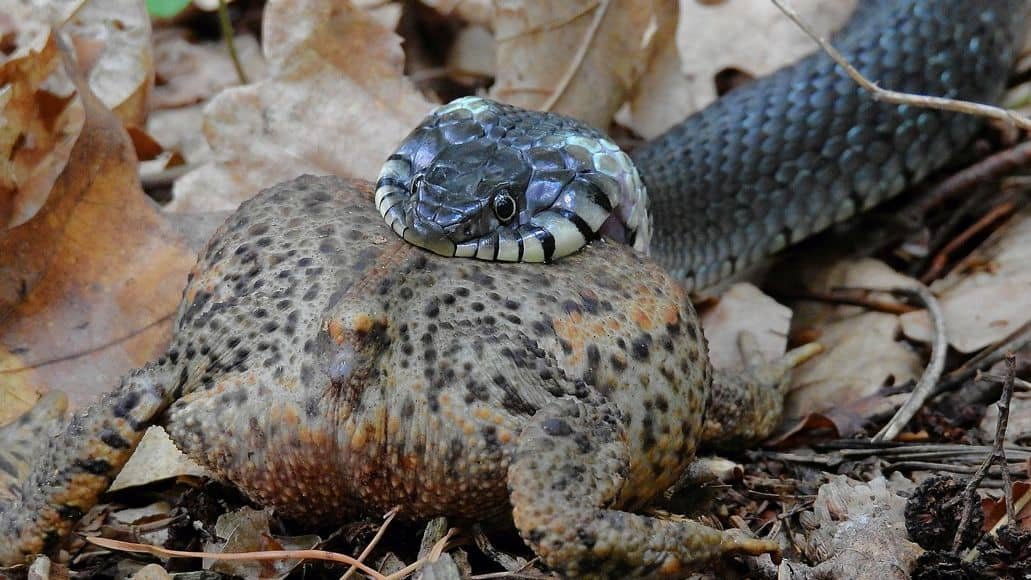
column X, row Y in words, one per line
column 574, row 335
column 362, row 323
column 671, row 314
column 335, row 329
column 642, row 318
column 290, row 417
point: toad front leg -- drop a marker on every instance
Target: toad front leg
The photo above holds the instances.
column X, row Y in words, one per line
column 565, row 483
column 72, row 469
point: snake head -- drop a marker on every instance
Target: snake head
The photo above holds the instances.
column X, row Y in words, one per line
column 491, row 181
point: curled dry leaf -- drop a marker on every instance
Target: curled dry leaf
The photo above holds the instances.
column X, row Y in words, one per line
column 40, row 122
column 858, row 532
column 743, row 35
column 602, row 59
column 84, row 289
column 336, row 101
column 112, row 46
column 989, row 300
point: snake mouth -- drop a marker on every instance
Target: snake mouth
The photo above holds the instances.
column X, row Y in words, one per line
column 425, row 234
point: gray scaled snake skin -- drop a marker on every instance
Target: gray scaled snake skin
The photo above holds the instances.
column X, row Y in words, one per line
column 769, row 164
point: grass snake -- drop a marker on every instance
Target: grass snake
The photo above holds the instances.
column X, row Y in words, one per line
column 769, row 164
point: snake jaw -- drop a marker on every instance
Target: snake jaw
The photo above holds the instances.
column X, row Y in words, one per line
column 427, row 234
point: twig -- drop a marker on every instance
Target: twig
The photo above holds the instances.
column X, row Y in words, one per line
column 265, row 555
column 226, row 28
column 389, row 517
column 433, row 556
column 834, row 297
column 578, row 58
column 942, row 257
column 988, row 356
column 925, row 387
column 1000, row 431
column 991, row 167
column 899, row 98
column 998, row 454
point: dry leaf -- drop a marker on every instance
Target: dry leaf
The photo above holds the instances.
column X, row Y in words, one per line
column 479, row 12
column 112, row 45
column 743, row 307
column 84, row 291
column 743, row 35
column 986, row 305
column 531, row 34
column 38, row 124
column 860, row 532
column 247, row 530
column 191, row 72
column 862, row 354
column 156, row 458
column 336, row 101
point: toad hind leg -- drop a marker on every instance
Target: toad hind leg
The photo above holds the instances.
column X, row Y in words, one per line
column 564, row 482
column 78, row 464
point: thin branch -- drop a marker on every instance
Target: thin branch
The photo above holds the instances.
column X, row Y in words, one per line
column 264, row 555
column 998, row 454
column 578, row 58
column 389, row 517
column 925, row 387
column 885, row 95
column 941, row 259
column 992, row 167
column 988, row 356
column 226, row 28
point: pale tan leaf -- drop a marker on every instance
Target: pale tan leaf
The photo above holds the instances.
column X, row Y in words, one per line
column 744, row 35
column 992, row 301
column 336, row 101
column 192, row 72
column 603, row 44
column 743, row 307
column 156, row 458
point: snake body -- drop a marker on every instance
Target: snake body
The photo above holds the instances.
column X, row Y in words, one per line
column 769, row 164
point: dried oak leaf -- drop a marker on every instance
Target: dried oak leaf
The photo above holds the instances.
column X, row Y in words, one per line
column 84, row 292
column 710, row 38
column 38, row 125
column 336, row 101
column 603, row 46
column 987, row 303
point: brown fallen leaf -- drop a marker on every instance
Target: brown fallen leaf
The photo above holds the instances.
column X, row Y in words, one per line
column 112, row 46
column 987, row 304
column 38, row 124
column 604, row 45
column 191, row 72
column 247, row 530
column 754, row 38
column 858, row 531
column 336, row 101
column 85, row 292
column 743, row 307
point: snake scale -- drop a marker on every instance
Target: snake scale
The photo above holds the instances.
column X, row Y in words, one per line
column 769, row 164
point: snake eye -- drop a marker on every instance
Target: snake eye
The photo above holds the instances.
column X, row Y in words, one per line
column 504, row 206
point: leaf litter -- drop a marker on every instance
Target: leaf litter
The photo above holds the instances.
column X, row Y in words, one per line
column 330, row 93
